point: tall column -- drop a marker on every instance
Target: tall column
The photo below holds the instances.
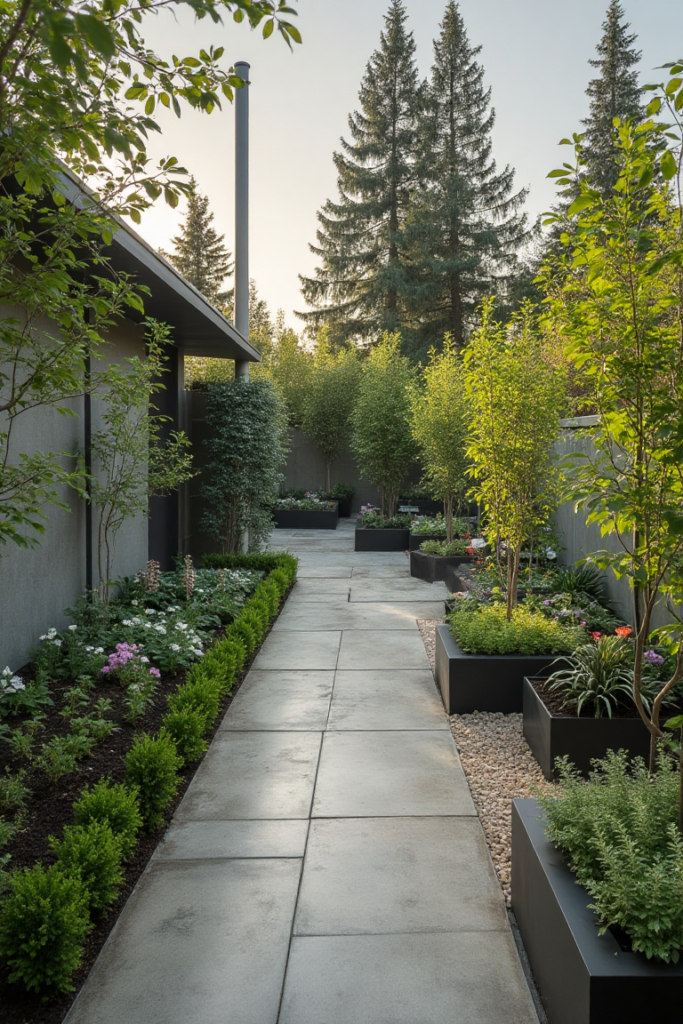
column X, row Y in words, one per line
column 242, row 213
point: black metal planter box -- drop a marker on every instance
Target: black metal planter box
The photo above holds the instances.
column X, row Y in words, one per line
column 581, row 739
column 300, row 519
column 584, row 978
column 482, row 682
column 381, row 540
column 434, row 567
column 345, row 508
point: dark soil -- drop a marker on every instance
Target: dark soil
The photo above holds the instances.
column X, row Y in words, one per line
column 556, row 706
column 50, row 809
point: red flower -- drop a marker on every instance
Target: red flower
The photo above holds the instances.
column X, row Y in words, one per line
column 468, row 534
column 623, row 631
column 596, row 636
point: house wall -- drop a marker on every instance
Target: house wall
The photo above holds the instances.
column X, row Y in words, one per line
column 38, row 584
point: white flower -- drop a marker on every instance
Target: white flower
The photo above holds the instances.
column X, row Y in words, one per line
column 134, row 603
column 73, row 628
column 7, row 671
column 144, row 660
column 181, row 625
column 174, row 647
column 89, row 648
column 198, row 652
column 549, row 553
column 57, row 643
column 148, row 625
column 150, row 611
column 127, row 622
column 51, row 633
column 99, row 650
column 161, row 629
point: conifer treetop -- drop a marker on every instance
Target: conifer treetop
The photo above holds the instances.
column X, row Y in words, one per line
column 200, row 253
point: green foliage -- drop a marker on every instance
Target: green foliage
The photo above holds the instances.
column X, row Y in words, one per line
column 199, row 251
column 14, row 792
column 288, row 366
column 91, row 853
column 620, row 837
column 329, row 399
column 357, row 289
column 489, row 631
column 382, row 441
column 152, row 765
column 114, row 805
column 377, row 521
column 598, row 676
column 444, row 548
column 43, row 925
column 582, row 579
column 186, row 727
column 246, row 450
column 515, row 388
column 202, row 694
column 439, row 418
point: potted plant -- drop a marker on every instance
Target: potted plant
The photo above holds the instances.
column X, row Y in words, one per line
column 434, row 558
column 343, row 494
column 376, row 532
column 308, row 513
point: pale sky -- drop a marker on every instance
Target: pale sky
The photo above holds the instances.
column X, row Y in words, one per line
column 535, row 53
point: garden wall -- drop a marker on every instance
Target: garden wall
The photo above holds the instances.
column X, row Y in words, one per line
column 37, row 584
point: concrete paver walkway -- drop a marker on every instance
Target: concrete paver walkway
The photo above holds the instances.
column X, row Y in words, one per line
column 326, row 865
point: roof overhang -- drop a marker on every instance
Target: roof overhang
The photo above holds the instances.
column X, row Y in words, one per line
column 198, row 328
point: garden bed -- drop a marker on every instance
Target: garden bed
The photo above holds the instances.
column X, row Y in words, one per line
column 372, row 539
column 304, row 519
column 584, row 977
column 552, row 732
column 482, row 682
column 415, row 539
column 434, row 567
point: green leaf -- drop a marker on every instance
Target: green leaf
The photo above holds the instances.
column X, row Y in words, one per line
column 268, row 28
column 97, row 34
column 580, row 204
column 668, row 165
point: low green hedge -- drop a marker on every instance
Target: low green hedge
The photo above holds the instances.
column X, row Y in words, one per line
column 487, row 631
column 47, row 913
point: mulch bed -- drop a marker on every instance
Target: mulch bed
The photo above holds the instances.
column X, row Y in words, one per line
column 556, row 705
column 50, row 809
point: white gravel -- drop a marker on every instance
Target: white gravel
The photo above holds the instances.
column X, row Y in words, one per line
column 499, row 767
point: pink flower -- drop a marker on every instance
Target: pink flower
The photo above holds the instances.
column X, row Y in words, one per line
column 155, row 672
column 105, row 668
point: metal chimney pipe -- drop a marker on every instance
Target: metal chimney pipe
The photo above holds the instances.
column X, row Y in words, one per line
column 242, row 213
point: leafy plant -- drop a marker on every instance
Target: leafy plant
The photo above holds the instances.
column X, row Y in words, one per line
column 43, row 924
column 378, row 521
column 186, row 727
column 489, row 631
column 599, row 675
column 115, row 805
column 582, row 579
column 61, row 754
column 444, row 549
column 14, row 792
column 152, row 765
column 329, row 399
column 91, row 853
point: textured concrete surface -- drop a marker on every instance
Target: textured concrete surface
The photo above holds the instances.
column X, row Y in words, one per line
column 326, row 865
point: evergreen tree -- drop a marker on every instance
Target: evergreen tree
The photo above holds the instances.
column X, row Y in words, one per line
column 200, row 254
column 466, row 225
column 615, row 93
column 357, row 289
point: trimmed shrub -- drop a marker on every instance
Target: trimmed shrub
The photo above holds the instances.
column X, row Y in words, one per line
column 152, row 764
column 43, row 924
column 92, row 853
column 186, row 728
column 487, row 631
column 244, row 631
column 115, row 805
column 202, row 695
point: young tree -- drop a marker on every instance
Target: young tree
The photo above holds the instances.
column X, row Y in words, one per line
column 329, row 399
column 129, row 440
column 618, row 302
column 465, row 226
column 245, row 456
column 381, row 439
column 200, row 253
column 356, row 290
column 439, row 417
column 515, row 392
column 288, row 365
column 614, row 93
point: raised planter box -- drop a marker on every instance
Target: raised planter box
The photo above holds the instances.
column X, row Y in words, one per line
column 345, row 508
column 427, row 506
column 584, row 978
column 419, row 538
column 482, row 682
column 381, row 540
column 434, row 567
column 581, row 739
column 300, row 519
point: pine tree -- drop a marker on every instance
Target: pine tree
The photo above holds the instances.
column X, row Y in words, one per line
column 200, row 254
column 356, row 290
column 615, row 93
column 466, row 225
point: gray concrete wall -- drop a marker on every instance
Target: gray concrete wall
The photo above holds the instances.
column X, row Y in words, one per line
column 37, row 585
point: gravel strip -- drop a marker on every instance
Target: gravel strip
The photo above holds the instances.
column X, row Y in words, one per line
column 499, row 767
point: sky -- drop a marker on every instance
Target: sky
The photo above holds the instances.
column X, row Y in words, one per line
column 535, row 53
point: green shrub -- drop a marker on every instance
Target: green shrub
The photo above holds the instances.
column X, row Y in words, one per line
column 256, row 616
column 92, row 853
column 487, row 631
column 242, row 630
column 443, row 549
column 43, row 924
column 598, row 675
column 13, row 791
column 202, row 695
column 152, row 764
column 115, row 805
column 186, row 727
column 619, row 834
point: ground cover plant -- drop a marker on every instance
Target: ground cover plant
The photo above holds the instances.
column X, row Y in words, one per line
column 372, row 519
column 444, row 548
column 435, row 526
column 620, row 836
column 85, row 784
column 486, row 629
column 309, row 503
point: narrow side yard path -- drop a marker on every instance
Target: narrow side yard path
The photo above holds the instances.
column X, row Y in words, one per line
column 326, row 865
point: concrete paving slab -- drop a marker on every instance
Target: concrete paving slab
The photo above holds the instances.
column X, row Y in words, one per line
column 383, row 649
column 362, row 615
column 197, row 942
column 254, row 775
column 381, row 700
column 372, row 876
column 286, row 701
column 207, row 840
column 324, row 571
column 390, row 774
column 460, row 978
column 332, row 587
column 314, row 650
column 374, row 590
column 381, row 571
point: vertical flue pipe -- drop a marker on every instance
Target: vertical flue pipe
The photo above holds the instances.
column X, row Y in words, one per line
column 242, row 213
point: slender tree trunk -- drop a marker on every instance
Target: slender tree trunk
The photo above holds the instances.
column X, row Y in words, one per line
column 448, row 511
column 329, row 476
column 680, row 783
